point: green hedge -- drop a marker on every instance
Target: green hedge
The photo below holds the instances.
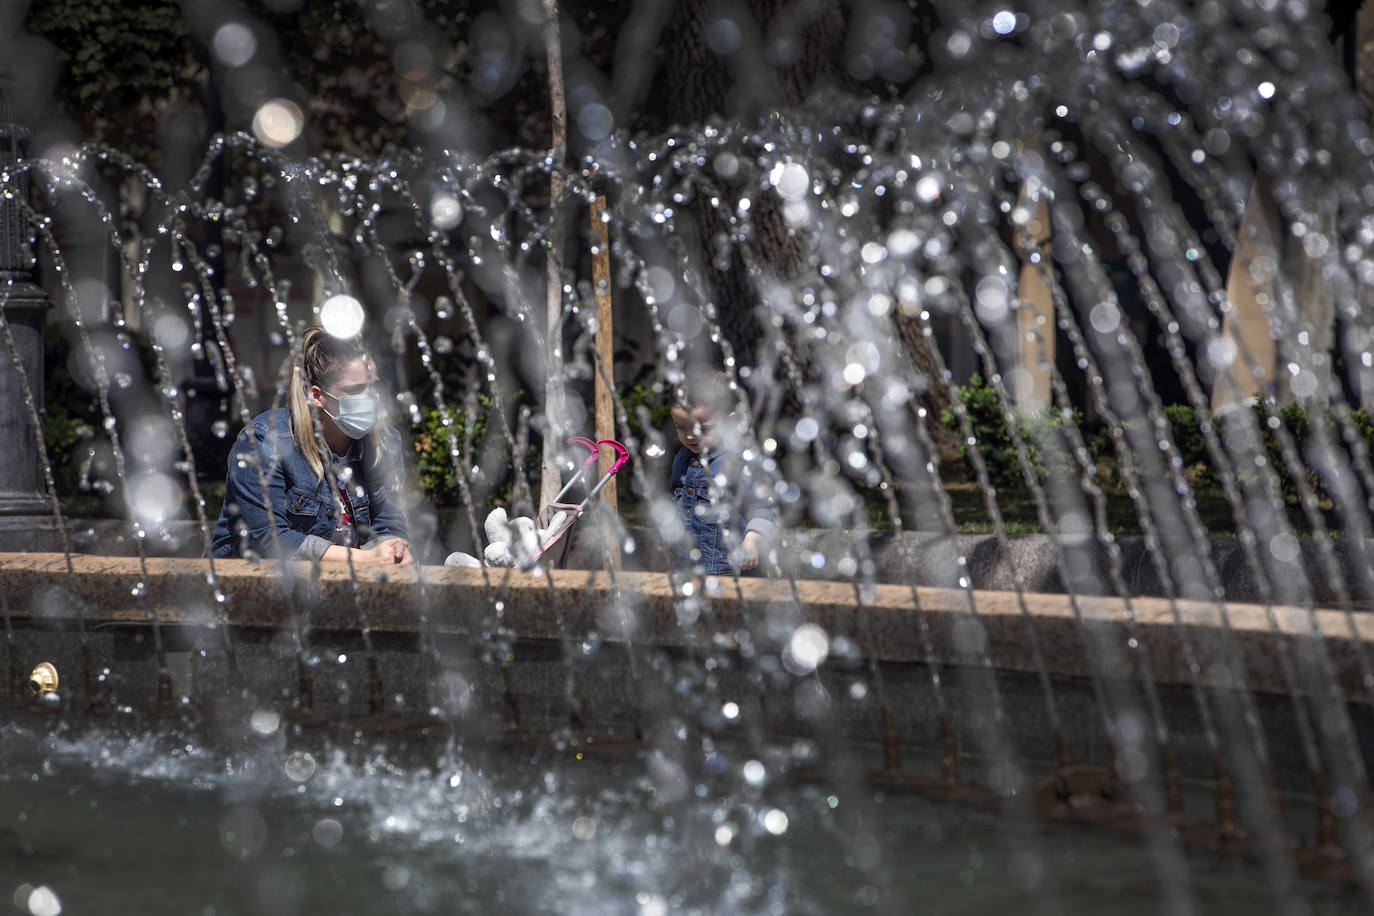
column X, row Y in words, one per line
column 1041, row 433
column 1039, row 430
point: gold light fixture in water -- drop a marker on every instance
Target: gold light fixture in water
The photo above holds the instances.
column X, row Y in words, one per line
column 44, row 678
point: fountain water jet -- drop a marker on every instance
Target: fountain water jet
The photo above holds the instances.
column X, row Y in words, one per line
column 1099, row 704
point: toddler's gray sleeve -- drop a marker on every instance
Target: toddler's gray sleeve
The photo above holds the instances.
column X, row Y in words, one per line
column 758, row 511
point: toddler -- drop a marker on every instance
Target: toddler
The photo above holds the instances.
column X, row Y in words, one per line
column 725, row 508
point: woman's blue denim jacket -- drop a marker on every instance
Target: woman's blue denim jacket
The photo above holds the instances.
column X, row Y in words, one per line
column 715, row 529
column 300, row 509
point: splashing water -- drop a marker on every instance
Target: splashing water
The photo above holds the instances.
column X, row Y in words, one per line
column 1091, row 208
column 366, row 828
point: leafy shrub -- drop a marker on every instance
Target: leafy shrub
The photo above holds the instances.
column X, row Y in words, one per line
column 69, row 413
column 1048, row 449
column 1041, row 430
column 1296, row 421
column 646, row 409
column 79, row 449
column 478, row 439
column 434, row 460
column 1201, row 471
column 66, row 437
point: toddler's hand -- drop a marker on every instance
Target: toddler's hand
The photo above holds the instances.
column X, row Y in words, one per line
column 749, row 551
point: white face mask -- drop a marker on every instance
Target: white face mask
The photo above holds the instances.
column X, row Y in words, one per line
column 357, row 414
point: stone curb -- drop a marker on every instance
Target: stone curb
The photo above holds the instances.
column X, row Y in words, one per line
column 897, row 624
column 1304, row 575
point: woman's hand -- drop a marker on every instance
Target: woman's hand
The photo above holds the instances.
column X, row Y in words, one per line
column 391, row 550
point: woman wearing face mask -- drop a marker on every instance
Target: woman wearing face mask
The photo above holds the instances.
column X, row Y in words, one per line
column 286, row 496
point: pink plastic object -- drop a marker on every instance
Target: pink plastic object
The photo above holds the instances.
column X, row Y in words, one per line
column 574, row 512
column 555, row 539
column 595, row 456
column 622, row 453
column 622, row 456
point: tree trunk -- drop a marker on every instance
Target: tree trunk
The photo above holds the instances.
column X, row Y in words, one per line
column 741, row 86
column 706, row 83
column 934, row 399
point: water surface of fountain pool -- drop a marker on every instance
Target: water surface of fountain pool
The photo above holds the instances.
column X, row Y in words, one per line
column 166, row 824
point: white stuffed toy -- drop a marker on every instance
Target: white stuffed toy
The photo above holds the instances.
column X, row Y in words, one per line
column 555, row 525
column 496, row 526
column 510, row 541
column 458, row 558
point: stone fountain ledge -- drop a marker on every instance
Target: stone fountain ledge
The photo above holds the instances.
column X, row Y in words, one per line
column 54, row 592
column 899, row 558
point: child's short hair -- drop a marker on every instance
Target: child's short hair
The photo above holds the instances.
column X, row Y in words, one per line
column 707, row 389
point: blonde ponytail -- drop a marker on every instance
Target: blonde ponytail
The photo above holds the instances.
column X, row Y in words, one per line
column 320, row 357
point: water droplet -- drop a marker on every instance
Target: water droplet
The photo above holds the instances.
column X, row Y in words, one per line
column 299, row 766
column 753, row 772
column 775, row 821
column 264, row 721
column 43, row 901
column 790, row 179
column 327, row 832
column 342, row 316
column 445, row 211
